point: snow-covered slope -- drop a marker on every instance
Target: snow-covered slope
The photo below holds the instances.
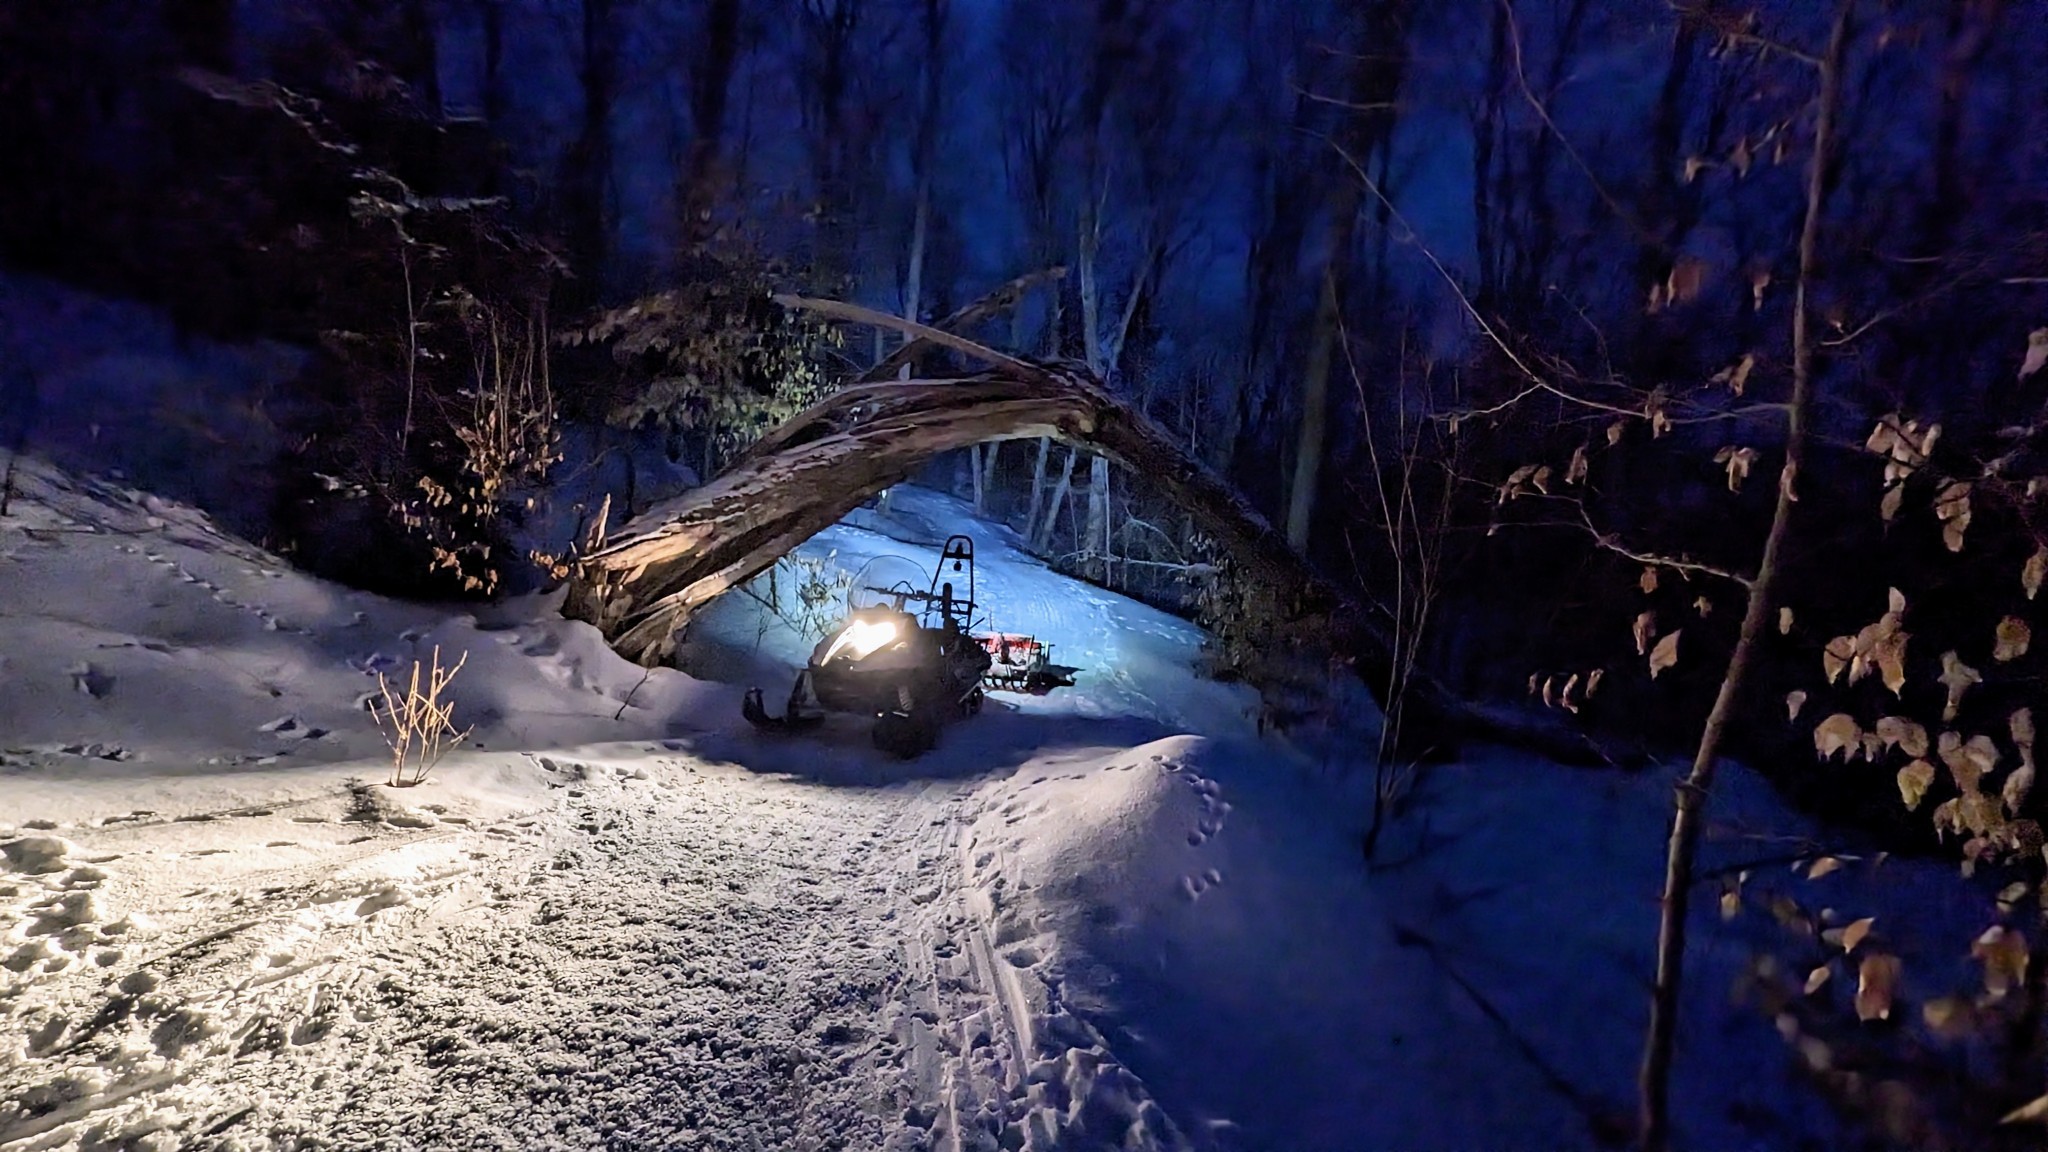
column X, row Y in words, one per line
column 1113, row 918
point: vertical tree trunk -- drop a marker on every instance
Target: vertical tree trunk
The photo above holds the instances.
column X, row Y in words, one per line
column 1057, row 502
column 1377, row 75
column 1655, row 1079
column 423, row 66
column 1315, row 412
column 923, row 158
column 1486, row 132
column 711, row 74
column 1036, row 521
column 492, row 14
column 1037, row 490
column 587, row 177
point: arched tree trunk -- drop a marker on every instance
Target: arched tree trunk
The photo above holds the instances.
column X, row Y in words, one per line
column 641, row 587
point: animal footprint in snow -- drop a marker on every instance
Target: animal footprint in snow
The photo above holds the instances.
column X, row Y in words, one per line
column 35, row 855
column 1193, row 886
column 91, row 681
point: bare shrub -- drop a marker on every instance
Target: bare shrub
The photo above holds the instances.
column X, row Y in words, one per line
column 419, row 724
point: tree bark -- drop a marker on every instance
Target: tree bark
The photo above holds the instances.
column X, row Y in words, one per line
column 1655, row 1079
column 1037, row 489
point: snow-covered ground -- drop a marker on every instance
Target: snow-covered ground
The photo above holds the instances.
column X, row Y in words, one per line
column 1113, row 918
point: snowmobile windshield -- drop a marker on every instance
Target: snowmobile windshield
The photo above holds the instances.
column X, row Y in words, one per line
column 882, row 583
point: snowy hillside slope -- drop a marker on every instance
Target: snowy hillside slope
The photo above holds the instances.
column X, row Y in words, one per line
column 1112, row 918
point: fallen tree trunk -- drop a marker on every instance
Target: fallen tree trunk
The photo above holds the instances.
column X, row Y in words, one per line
column 641, row 588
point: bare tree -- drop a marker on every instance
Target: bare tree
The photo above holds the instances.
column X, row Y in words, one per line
column 1378, row 67
column 1692, row 793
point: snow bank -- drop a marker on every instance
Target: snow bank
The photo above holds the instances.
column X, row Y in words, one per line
column 148, row 659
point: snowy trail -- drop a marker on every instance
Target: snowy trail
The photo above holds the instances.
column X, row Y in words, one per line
column 1110, row 919
column 656, row 957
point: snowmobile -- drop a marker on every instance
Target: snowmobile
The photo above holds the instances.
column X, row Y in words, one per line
column 908, row 657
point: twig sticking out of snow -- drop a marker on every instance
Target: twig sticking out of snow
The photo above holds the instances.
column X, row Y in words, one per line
column 419, row 725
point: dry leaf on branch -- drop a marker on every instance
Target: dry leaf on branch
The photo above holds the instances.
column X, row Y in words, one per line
column 1838, row 733
column 1877, row 981
column 1968, row 762
column 1794, row 701
column 1576, row 470
column 2035, row 1109
column 1593, row 681
column 2034, row 571
column 1645, row 630
column 1825, row 866
column 1914, row 780
column 1817, row 978
column 1654, row 407
column 2021, row 782
column 1703, row 606
column 1738, row 462
column 1957, row 677
column 1894, row 500
column 1908, row 735
column 1614, row 432
column 1785, row 621
column 2004, row 953
column 1648, row 580
column 1736, row 375
column 1890, row 655
column 1542, row 479
column 1688, row 276
column 1952, row 507
column 1549, row 699
column 1836, row 656
column 2037, row 353
column 1665, row 655
column 1514, row 485
column 1950, row 1017
column 1564, row 695
column 2012, row 640
column 1895, row 600
column 1854, row 934
column 1731, row 903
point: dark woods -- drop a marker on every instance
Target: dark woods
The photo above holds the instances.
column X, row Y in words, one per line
column 1495, row 306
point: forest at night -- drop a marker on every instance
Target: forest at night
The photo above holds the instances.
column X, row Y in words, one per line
column 1347, row 574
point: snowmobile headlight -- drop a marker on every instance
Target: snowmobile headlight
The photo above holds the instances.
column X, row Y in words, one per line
column 861, row 638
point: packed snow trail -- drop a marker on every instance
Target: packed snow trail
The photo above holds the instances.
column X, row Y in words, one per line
column 221, row 930
column 656, row 953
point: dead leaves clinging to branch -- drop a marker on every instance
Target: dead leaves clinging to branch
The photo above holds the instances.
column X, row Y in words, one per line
column 1952, row 507
column 1736, row 375
column 1738, row 462
column 1957, row 677
column 1665, row 654
column 2012, row 638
